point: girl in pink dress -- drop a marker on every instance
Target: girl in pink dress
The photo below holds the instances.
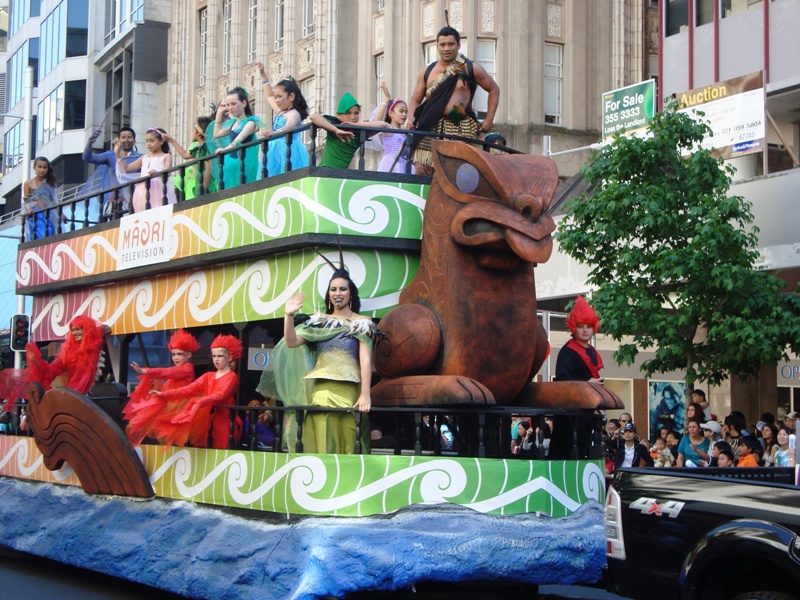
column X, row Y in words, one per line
column 158, row 159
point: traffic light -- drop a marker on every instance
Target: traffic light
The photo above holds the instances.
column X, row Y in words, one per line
column 20, row 332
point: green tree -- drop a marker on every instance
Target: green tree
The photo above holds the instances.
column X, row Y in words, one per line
column 673, row 257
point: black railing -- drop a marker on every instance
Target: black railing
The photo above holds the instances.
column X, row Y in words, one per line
column 481, row 432
column 114, row 202
column 478, row 432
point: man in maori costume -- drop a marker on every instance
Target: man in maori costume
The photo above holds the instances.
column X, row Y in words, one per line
column 442, row 98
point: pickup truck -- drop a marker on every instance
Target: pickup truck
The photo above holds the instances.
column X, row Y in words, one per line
column 704, row 534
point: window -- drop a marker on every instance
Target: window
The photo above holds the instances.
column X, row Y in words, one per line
column 121, row 16
column 732, row 7
column 308, row 17
column 75, row 105
column 21, row 11
column 379, row 77
column 381, row 5
column 3, row 31
column 27, row 55
column 13, row 147
column 677, row 16
column 50, row 121
column 203, row 19
column 53, row 42
column 64, row 34
column 308, row 89
column 553, row 64
column 485, row 57
column 278, row 24
column 704, row 11
column 227, row 20
column 77, row 28
column 430, row 53
column 252, row 20
column 119, row 83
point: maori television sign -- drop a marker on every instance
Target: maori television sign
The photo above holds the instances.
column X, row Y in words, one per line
column 735, row 111
column 629, row 109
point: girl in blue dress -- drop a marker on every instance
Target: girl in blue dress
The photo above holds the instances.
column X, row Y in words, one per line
column 290, row 108
column 239, row 128
column 39, row 195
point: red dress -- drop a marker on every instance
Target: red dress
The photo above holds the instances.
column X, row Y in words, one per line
column 143, row 409
column 194, row 404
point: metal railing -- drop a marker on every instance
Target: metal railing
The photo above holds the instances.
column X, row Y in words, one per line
column 98, row 206
column 479, row 431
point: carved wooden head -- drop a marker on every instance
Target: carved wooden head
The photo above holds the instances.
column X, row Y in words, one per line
column 498, row 203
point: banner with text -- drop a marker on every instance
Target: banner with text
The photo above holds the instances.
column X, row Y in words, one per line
column 629, row 110
column 735, row 111
column 144, row 238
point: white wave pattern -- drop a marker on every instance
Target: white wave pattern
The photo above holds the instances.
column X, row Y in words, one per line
column 439, row 482
column 24, row 451
column 55, row 269
column 368, row 215
column 20, row 452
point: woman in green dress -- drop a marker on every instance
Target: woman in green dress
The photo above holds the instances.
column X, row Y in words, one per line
column 340, row 347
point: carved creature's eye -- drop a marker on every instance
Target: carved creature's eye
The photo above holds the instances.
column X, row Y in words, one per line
column 467, row 178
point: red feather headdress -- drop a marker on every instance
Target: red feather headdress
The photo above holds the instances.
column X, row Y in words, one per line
column 584, row 314
column 230, row 343
column 183, row 340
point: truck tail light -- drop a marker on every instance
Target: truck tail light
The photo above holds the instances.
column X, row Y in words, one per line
column 612, row 521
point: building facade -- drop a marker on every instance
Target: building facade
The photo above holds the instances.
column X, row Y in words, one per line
column 552, row 58
column 93, row 62
column 705, row 42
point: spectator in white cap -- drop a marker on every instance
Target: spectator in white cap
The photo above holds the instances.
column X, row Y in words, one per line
column 790, row 421
column 711, row 430
column 632, row 453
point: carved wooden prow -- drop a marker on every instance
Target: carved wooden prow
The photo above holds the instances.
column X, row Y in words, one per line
column 68, row 426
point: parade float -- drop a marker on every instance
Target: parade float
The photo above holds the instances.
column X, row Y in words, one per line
column 446, row 265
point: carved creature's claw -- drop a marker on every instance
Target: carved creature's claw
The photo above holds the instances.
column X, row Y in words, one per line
column 430, row 390
column 411, row 343
column 568, row 394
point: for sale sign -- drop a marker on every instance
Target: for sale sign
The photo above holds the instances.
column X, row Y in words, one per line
column 629, row 109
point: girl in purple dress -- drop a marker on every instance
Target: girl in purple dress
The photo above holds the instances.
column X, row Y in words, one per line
column 395, row 112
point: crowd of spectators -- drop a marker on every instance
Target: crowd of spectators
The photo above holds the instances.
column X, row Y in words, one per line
column 704, row 441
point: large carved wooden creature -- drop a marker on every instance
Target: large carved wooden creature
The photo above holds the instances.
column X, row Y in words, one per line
column 68, row 426
column 466, row 329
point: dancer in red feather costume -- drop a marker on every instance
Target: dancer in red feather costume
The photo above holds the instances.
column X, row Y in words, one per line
column 77, row 359
column 143, row 409
column 208, row 392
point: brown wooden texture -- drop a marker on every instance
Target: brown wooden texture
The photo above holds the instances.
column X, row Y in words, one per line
column 68, row 426
column 470, row 312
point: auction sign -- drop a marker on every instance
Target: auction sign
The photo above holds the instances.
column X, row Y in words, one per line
column 629, row 109
column 735, row 111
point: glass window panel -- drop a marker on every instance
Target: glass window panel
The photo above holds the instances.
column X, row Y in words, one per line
column 485, row 57
column 732, row 7
column 203, row 22
column 704, row 11
column 308, row 17
column 252, row 22
column 226, row 36
column 677, row 16
column 278, row 24
column 75, row 105
column 553, row 64
column 77, row 28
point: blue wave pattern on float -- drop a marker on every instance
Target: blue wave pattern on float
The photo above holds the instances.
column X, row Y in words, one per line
column 371, row 484
column 206, row 552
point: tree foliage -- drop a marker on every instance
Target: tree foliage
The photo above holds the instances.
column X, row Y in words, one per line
column 673, row 258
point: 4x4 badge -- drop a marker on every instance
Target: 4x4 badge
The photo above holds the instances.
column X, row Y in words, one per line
column 651, row 506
